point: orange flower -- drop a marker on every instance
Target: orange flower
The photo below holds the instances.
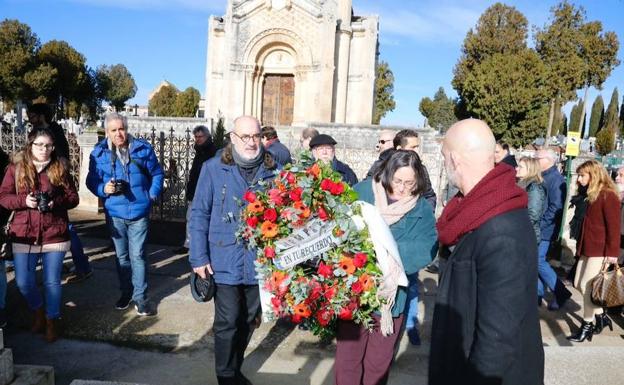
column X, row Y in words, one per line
column 268, row 229
column 347, row 265
column 255, row 207
column 280, row 186
column 315, row 170
column 277, row 278
column 305, row 211
column 302, row 310
column 366, row 281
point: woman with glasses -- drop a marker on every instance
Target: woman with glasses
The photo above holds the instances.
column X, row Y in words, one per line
column 38, row 188
column 364, row 357
column 599, row 242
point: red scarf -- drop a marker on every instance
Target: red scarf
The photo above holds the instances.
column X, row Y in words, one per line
column 495, row 194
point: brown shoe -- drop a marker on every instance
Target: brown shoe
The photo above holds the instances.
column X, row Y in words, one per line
column 39, row 321
column 53, row 329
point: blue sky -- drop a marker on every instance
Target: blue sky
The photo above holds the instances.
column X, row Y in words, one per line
column 166, row 39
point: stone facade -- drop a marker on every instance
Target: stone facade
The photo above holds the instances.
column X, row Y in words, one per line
column 288, row 62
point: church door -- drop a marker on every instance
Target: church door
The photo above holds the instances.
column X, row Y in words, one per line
column 278, row 99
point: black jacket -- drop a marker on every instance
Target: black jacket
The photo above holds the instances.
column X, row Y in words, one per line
column 202, row 154
column 61, row 146
column 347, row 174
column 485, row 323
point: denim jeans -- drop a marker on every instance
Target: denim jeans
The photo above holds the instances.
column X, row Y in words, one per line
column 3, row 284
column 546, row 274
column 25, row 276
column 411, row 305
column 129, row 238
column 81, row 262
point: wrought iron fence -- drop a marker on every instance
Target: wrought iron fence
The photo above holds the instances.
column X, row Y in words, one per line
column 175, row 154
column 13, row 139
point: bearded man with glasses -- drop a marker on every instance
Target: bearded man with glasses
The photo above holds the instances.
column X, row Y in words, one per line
column 244, row 165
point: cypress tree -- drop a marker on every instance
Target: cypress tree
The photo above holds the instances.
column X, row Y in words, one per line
column 596, row 122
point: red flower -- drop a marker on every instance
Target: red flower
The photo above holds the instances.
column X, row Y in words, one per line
column 337, row 188
column 290, row 178
column 330, row 291
column 252, row 221
column 295, row 194
column 326, row 184
column 269, row 252
column 360, row 260
column 296, row 318
column 324, row 316
column 324, row 270
column 277, row 304
column 322, row 214
column 357, row 287
column 270, row 215
column 275, row 196
column 315, row 170
column 315, row 291
column 345, row 314
column 249, row 196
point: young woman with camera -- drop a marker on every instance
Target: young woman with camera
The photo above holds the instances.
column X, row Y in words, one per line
column 38, row 188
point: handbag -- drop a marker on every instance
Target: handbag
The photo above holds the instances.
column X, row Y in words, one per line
column 608, row 286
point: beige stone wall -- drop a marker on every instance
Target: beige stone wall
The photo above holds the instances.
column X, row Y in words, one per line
column 243, row 46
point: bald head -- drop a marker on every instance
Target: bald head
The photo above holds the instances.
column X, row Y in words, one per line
column 246, row 136
column 547, row 158
column 468, row 151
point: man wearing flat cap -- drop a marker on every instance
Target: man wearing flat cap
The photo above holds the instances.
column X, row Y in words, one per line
column 324, row 148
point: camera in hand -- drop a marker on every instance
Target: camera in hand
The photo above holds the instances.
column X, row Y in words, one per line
column 120, row 186
column 43, row 201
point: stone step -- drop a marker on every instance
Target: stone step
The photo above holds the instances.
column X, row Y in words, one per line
column 33, row 375
column 6, row 366
column 92, row 382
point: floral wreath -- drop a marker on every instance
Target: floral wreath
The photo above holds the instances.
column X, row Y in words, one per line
column 311, row 258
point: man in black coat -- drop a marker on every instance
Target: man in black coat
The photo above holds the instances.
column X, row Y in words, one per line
column 204, row 150
column 324, row 148
column 485, row 323
column 273, row 145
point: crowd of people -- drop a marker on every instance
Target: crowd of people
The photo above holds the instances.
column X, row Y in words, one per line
column 491, row 241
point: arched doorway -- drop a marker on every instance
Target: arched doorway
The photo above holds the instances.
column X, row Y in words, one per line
column 278, row 99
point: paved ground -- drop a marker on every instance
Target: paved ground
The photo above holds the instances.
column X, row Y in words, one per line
column 175, row 347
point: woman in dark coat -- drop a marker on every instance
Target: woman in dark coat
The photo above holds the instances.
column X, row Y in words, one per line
column 530, row 179
column 39, row 189
column 599, row 242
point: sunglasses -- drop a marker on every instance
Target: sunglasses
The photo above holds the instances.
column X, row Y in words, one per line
column 383, row 141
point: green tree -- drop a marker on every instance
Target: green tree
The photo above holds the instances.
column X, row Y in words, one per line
column 163, row 102
column 500, row 80
column 596, row 121
column 605, row 141
column 116, row 85
column 440, row 112
column 384, row 89
column 559, row 125
column 575, row 117
column 557, row 44
column 187, row 103
column 18, row 46
column 72, row 72
column 622, row 117
column 219, row 135
column 612, row 118
column 598, row 51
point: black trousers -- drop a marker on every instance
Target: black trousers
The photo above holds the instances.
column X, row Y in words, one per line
column 236, row 309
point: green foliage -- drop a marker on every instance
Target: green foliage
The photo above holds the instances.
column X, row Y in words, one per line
column 622, row 117
column 560, row 121
column 557, row 44
column 219, row 134
column 116, row 85
column 18, row 46
column 605, row 141
column 440, row 112
column 384, row 89
column 596, row 122
column 187, row 103
column 163, row 101
column 500, row 80
column 611, row 116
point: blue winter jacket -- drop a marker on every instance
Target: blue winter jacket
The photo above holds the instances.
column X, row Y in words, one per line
column 143, row 174
column 280, row 152
column 415, row 234
column 555, row 186
column 215, row 218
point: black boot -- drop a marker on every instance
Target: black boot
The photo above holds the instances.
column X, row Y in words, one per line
column 602, row 321
column 562, row 294
column 586, row 332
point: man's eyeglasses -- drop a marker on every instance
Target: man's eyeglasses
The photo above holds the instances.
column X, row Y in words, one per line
column 247, row 138
column 407, row 184
column 44, row 145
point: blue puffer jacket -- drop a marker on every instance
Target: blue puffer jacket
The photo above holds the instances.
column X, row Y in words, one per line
column 143, row 174
column 215, row 218
column 555, row 186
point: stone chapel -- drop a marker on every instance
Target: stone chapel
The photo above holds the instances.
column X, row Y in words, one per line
column 289, row 62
